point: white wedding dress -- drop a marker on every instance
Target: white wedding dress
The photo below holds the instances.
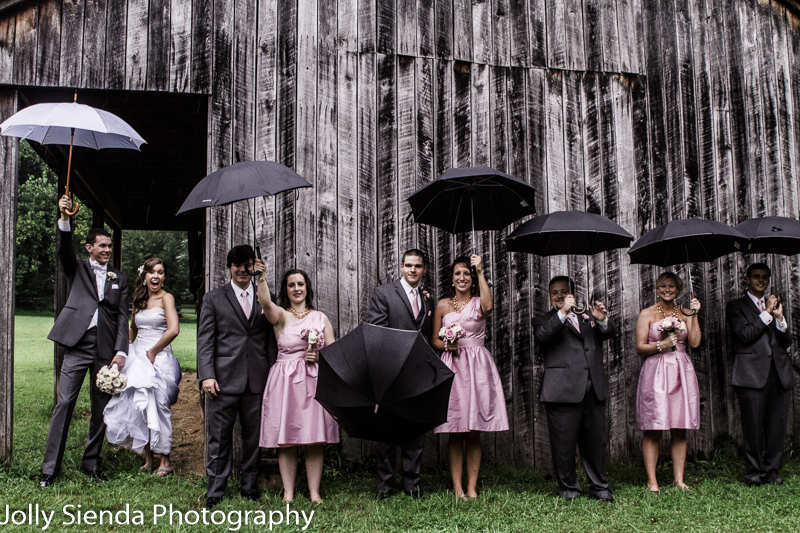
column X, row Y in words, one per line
column 140, row 413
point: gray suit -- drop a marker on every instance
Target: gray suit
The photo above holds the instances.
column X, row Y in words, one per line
column 391, row 308
column 763, row 380
column 85, row 350
column 237, row 352
column 574, row 390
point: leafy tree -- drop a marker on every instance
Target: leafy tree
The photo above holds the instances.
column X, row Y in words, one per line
column 171, row 246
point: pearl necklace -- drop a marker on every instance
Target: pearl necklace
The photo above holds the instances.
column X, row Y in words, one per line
column 300, row 315
column 674, row 311
column 458, row 307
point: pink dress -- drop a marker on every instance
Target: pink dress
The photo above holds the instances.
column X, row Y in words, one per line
column 476, row 399
column 289, row 412
column 668, row 396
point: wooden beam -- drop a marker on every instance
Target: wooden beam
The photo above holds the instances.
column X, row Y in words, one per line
column 7, row 4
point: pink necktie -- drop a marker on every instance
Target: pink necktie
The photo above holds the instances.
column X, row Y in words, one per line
column 415, row 303
column 245, row 304
column 574, row 321
column 761, row 305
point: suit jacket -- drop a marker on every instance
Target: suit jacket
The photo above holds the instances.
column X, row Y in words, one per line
column 571, row 358
column 83, row 301
column 756, row 344
column 390, row 307
column 236, row 351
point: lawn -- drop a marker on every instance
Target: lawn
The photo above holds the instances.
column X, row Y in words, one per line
column 511, row 499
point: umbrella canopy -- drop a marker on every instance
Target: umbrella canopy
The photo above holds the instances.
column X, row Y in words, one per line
column 384, row 384
column 771, row 235
column 691, row 240
column 475, row 198
column 55, row 123
column 242, row 181
column 568, row 232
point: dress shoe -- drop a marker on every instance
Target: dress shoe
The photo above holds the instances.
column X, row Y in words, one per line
column 212, row 501
column 96, row 474
column 46, row 481
column 603, row 496
column 415, row 494
column 752, row 482
column 252, row 495
column 569, row 494
column 776, row 480
column 383, row 494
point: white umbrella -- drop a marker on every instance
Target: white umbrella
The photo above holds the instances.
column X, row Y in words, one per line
column 72, row 124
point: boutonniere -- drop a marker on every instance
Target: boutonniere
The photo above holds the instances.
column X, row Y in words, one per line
column 585, row 317
column 425, row 295
column 111, row 276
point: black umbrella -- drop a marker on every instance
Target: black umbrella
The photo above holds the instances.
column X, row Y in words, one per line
column 474, row 198
column 690, row 240
column 771, row 235
column 242, row 181
column 384, row 384
column 568, row 232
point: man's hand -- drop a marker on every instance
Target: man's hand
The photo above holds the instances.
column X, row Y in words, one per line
column 569, row 303
column 64, row 205
column 599, row 311
column 119, row 361
column 772, row 302
column 210, row 387
column 777, row 313
column 259, row 268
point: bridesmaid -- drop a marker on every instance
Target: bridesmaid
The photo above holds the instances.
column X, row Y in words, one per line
column 667, row 397
column 290, row 416
column 476, row 399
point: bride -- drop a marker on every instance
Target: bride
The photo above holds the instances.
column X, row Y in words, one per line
column 139, row 416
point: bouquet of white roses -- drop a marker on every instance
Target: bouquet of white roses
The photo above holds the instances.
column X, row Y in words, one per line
column 110, row 380
column 313, row 337
column 671, row 325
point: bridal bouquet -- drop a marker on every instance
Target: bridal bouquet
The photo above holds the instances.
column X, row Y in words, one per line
column 451, row 333
column 671, row 325
column 313, row 337
column 110, row 380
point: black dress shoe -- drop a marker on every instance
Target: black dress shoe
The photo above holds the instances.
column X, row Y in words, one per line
column 46, row 481
column 212, row 501
column 382, row 495
column 569, row 494
column 252, row 495
column 603, row 496
column 96, row 474
column 415, row 494
column 752, row 482
column 776, row 480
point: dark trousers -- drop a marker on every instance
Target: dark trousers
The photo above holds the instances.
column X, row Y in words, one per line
column 410, row 464
column 77, row 360
column 764, row 417
column 221, row 415
column 583, row 425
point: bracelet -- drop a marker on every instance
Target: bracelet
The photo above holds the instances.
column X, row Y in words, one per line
column 658, row 346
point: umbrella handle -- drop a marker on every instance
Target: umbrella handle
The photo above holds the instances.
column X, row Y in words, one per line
column 579, row 308
column 689, row 311
column 75, row 210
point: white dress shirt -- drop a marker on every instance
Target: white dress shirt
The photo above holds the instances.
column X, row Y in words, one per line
column 766, row 318
column 408, row 288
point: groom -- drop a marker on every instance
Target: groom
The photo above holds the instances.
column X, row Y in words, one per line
column 402, row 305
column 93, row 327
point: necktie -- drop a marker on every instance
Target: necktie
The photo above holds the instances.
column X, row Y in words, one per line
column 574, row 321
column 761, row 305
column 414, row 303
column 245, row 304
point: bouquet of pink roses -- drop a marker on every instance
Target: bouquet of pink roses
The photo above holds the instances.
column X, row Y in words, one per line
column 451, row 333
column 671, row 325
column 313, row 337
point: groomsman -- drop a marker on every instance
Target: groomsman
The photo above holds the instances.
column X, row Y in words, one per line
column 762, row 375
column 402, row 304
column 574, row 388
column 93, row 327
column 235, row 349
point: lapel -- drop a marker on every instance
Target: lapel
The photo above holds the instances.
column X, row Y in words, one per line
column 90, row 278
column 109, row 282
column 573, row 330
column 401, row 293
column 237, row 307
column 751, row 304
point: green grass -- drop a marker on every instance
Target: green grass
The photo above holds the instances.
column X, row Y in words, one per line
column 511, row 499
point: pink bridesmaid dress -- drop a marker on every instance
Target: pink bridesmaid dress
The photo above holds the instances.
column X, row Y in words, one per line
column 289, row 413
column 667, row 396
column 476, row 399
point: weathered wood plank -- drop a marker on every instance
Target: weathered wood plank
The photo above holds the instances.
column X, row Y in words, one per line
column 671, row 70
column 443, row 28
column 326, row 246
column 556, row 167
column 367, row 26
column 655, row 101
column 787, row 120
column 628, row 36
column 8, row 26
column 202, row 45
column 136, row 46
column 386, row 178
column 611, row 39
column 593, row 34
column 180, row 51
column 793, row 54
column 519, row 33
column 501, row 32
column 95, row 44
column 25, row 44
column 306, row 157
column 573, row 21
column 481, row 133
column 556, row 34
column 158, row 45
column 406, row 27
column 426, row 28
column 462, row 115
column 462, row 30
column 482, row 31
column 116, row 43
column 406, row 151
column 72, row 12
column 538, row 34
column 9, row 156
column 347, row 17
column 425, row 116
column 49, row 43
column 386, row 16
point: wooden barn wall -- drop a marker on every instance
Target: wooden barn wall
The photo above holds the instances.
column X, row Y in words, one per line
column 640, row 111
